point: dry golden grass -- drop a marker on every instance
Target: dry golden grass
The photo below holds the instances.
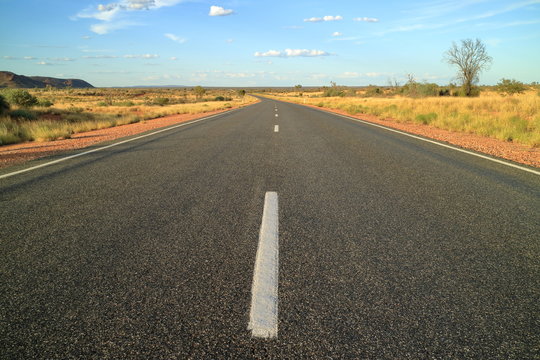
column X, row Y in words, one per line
column 511, row 118
column 80, row 110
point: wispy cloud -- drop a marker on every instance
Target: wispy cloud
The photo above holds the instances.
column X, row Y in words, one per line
column 219, row 11
column 366, row 19
column 445, row 7
column 175, row 38
column 292, row 53
column 142, row 56
column 100, row 57
column 61, row 59
column 107, row 27
column 324, row 18
column 112, row 14
column 336, row 34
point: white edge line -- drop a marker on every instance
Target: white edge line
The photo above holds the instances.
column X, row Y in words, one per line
column 109, row 146
column 433, row 142
column 263, row 316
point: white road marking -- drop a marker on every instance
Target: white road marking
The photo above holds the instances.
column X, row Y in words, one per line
column 275, row 109
column 437, row 143
column 263, row 317
column 276, row 128
column 277, row 115
column 106, row 147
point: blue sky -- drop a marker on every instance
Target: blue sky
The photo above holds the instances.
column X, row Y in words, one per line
column 264, row 43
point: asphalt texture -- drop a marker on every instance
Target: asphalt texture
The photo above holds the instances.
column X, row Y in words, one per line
column 389, row 247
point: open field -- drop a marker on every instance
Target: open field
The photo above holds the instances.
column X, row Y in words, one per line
column 509, row 118
column 63, row 112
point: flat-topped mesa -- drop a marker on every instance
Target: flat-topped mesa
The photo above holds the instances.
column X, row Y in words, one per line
column 12, row 80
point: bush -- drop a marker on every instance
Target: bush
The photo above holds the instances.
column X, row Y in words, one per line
column 426, row 118
column 161, row 101
column 333, row 92
column 510, row 87
column 44, row 103
column 219, row 98
column 374, row 91
column 22, row 114
column 21, row 98
column 4, row 105
column 11, row 132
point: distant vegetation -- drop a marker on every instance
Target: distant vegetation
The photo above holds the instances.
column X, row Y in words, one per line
column 509, row 111
column 49, row 113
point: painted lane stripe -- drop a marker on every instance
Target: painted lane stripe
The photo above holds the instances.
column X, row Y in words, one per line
column 276, row 128
column 107, row 147
column 263, row 317
column 532, row 171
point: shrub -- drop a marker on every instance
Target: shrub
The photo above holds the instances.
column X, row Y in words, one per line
column 510, row 87
column 374, row 91
column 44, row 103
column 333, row 92
column 426, row 118
column 219, row 98
column 22, row 114
column 161, row 101
column 4, row 105
column 11, row 132
column 21, row 98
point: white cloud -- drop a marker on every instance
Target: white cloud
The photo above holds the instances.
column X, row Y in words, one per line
column 229, row 41
column 269, row 53
column 324, row 18
column 107, row 27
column 173, row 58
column 349, row 75
column 337, row 33
column 61, row 59
column 292, row 53
column 100, row 57
column 219, row 11
column 175, row 38
column 109, row 13
column 143, row 56
column 239, row 75
column 318, row 76
column 366, row 19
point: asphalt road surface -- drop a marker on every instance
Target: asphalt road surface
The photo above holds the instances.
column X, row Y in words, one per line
column 388, row 247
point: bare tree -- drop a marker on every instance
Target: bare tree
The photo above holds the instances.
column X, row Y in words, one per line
column 471, row 58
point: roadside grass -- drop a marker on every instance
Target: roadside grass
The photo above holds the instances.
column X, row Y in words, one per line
column 514, row 119
column 74, row 111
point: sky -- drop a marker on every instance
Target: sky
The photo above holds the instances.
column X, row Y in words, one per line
column 245, row 43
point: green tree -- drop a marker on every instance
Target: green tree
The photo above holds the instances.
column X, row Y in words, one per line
column 21, row 98
column 199, row 91
column 510, row 87
column 241, row 92
column 471, row 58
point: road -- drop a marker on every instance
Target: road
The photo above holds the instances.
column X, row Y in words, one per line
column 389, row 247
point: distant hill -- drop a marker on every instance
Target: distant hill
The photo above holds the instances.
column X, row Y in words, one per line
column 11, row 80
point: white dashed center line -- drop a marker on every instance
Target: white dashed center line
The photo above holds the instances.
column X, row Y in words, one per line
column 276, row 128
column 263, row 317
